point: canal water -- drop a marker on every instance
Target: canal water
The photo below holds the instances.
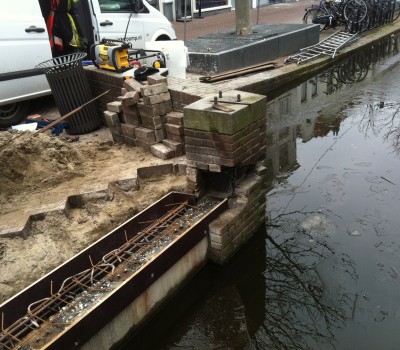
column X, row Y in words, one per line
column 324, row 272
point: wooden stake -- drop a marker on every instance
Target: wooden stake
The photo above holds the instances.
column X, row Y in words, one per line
column 47, row 127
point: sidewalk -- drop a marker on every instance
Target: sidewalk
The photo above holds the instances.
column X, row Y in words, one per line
column 284, row 13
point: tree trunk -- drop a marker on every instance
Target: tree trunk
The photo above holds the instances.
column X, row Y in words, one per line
column 243, row 23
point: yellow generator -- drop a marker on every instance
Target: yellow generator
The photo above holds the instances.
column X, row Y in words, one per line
column 111, row 55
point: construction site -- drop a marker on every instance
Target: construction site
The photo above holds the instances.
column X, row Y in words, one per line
column 102, row 222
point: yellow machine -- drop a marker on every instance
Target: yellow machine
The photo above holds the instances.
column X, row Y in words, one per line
column 111, row 55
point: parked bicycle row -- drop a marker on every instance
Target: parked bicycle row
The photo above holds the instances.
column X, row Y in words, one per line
column 355, row 15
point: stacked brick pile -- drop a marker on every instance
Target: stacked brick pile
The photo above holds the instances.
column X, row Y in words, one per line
column 226, row 135
column 143, row 117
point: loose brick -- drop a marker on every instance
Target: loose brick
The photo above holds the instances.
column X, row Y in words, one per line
column 153, row 99
column 150, row 171
column 152, row 122
column 145, row 135
column 161, row 151
column 166, row 96
column 159, row 134
column 143, row 145
column 152, row 110
column 130, row 98
column 174, row 129
column 177, row 138
column 175, row 118
column 154, row 89
column 112, row 118
column 130, row 141
column 114, row 106
column 157, row 79
column 132, row 85
column 215, row 168
column 177, row 147
column 128, row 130
column 131, row 115
column 168, row 106
column 118, row 138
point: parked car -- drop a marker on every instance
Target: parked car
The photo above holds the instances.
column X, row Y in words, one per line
column 25, row 40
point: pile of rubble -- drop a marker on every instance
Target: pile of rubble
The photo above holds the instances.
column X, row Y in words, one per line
column 143, row 117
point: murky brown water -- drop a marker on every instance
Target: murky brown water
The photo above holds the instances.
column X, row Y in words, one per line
column 324, row 273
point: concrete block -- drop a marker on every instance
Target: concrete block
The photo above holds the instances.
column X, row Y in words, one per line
column 161, row 151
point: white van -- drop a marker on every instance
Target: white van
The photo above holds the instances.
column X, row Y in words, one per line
column 24, row 41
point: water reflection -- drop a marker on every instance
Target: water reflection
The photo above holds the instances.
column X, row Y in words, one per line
column 299, row 312
column 301, row 111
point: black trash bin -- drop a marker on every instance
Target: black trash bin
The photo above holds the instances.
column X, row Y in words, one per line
column 70, row 89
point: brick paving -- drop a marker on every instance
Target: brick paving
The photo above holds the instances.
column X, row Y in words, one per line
column 291, row 13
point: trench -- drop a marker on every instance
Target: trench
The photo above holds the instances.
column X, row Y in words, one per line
column 323, row 273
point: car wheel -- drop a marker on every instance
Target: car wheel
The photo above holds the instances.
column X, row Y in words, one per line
column 13, row 113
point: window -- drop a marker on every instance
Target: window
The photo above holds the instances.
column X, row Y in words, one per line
column 314, row 87
column 284, row 106
column 304, row 92
column 115, row 6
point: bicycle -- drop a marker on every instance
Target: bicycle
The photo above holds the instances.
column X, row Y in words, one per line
column 330, row 14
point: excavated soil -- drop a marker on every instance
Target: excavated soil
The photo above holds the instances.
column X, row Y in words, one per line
column 73, row 194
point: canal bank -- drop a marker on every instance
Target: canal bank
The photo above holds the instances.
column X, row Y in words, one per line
column 323, row 272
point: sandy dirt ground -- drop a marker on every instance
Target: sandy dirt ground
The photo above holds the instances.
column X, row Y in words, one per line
column 37, row 176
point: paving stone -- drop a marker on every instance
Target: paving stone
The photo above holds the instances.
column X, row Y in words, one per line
column 132, row 85
column 161, row 151
column 145, row 135
column 154, row 89
column 115, row 106
column 175, row 118
column 157, row 79
column 128, row 130
column 177, row 147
